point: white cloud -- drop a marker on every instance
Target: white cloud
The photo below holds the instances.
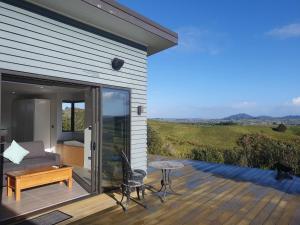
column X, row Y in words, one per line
column 296, row 101
column 287, row 31
column 194, row 39
column 114, row 95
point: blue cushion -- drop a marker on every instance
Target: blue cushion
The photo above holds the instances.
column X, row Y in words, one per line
column 15, row 153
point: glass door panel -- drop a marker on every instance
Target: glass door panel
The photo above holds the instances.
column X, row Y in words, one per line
column 115, row 134
column 78, row 147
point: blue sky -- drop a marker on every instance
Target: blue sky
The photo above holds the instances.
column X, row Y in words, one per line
column 233, row 57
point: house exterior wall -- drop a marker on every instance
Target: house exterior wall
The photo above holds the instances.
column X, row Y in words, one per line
column 35, row 44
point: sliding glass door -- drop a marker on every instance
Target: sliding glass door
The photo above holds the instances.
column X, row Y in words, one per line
column 115, row 134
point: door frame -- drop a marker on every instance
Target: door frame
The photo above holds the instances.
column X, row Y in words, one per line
column 52, row 81
column 96, row 141
column 96, row 89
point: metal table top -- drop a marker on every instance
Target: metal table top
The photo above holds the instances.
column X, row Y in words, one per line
column 166, row 165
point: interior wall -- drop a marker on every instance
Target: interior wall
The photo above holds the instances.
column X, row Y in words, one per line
column 6, row 112
column 6, row 109
column 56, row 100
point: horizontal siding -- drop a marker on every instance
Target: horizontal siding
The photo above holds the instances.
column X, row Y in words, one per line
column 56, row 51
column 35, row 44
column 56, row 57
column 61, row 27
column 139, row 164
column 20, row 66
column 139, row 155
column 100, row 51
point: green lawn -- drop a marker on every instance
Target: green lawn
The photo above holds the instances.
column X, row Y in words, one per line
column 184, row 137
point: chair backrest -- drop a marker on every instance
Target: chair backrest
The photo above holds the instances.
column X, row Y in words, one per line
column 127, row 171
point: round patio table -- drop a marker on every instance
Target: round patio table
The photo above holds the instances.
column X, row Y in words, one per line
column 166, row 167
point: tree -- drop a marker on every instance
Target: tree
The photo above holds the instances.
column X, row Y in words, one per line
column 154, row 141
column 281, row 128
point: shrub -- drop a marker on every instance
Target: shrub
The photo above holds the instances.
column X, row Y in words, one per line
column 281, row 128
column 263, row 152
column 207, row 154
column 169, row 149
column 233, row 156
column 254, row 150
column 154, row 141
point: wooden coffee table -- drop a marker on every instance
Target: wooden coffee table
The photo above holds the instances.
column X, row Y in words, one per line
column 23, row 179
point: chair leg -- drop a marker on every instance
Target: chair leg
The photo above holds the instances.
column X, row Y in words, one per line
column 127, row 198
column 138, row 193
column 123, row 193
column 143, row 192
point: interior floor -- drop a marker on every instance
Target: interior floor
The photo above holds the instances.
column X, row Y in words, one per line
column 38, row 198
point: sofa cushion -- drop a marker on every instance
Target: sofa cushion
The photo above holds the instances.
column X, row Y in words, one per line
column 9, row 166
column 35, row 148
column 38, row 162
column 15, row 153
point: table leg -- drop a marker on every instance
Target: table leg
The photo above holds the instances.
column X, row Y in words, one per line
column 70, row 183
column 162, row 183
column 17, row 190
column 8, row 187
column 170, row 182
column 166, row 183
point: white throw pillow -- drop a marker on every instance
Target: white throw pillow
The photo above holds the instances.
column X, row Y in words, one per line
column 15, row 153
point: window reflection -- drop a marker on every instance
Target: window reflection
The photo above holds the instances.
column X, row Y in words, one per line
column 116, row 122
column 66, row 116
column 79, row 109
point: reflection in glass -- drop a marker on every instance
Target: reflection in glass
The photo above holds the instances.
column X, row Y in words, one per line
column 115, row 136
column 66, row 116
column 79, row 108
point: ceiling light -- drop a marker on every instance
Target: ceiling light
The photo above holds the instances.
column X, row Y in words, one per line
column 13, row 92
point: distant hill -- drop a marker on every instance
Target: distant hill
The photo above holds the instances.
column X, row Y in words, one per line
column 240, row 116
column 291, row 117
column 264, row 117
column 244, row 116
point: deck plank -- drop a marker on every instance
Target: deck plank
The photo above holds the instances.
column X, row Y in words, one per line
column 210, row 194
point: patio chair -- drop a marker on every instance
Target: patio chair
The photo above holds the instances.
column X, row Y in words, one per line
column 132, row 180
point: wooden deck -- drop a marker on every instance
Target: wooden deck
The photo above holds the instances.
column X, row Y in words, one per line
column 214, row 194
column 210, row 194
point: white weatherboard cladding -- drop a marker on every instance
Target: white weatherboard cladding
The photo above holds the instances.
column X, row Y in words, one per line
column 35, row 44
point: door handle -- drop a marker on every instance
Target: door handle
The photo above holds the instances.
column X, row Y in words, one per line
column 93, row 145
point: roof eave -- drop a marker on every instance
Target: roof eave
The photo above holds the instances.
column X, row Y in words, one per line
column 147, row 32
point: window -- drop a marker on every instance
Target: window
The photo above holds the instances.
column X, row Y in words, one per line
column 79, row 108
column 66, row 116
column 73, row 116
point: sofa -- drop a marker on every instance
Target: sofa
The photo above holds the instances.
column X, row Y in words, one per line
column 36, row 158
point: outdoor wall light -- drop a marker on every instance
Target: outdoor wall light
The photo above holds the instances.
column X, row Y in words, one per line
column 140, row 110
column 117, row 63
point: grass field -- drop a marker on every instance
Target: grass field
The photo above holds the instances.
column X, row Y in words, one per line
column 181, row 138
